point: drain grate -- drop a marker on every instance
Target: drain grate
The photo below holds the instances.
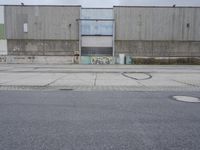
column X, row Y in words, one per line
column 189, row 99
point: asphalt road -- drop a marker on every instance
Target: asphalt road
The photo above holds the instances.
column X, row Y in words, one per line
column 69, row 120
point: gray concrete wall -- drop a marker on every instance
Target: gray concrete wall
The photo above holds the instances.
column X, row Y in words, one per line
column 157, row 23
column 44, row 22
column 38, row 59
column 42, row 47
column 158, row 48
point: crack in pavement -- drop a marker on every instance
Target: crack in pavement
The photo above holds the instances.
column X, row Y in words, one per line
column 185, row 83
column 95, row 79
column 136, row 80
column 46, row 85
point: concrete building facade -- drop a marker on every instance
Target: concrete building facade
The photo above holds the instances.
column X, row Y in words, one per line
column 158, row 31
column 59, row 34
column 41, row 34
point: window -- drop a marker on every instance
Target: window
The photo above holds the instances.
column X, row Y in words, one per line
column 25, row 27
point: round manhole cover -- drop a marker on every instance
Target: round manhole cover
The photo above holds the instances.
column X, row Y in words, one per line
column 187, row 99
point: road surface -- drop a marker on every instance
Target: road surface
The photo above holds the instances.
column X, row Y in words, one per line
column 98, row 120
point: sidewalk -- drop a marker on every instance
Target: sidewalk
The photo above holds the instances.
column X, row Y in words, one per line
column 99, row 77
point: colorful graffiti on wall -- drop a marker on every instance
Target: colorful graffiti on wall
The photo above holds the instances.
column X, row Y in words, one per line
column 102, row 60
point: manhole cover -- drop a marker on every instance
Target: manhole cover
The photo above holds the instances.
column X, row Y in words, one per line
column 187, row 99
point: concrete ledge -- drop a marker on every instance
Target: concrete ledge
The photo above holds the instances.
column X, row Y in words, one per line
column 158, row 48
column 39, row 59
column 69, row 60
column 167, row 60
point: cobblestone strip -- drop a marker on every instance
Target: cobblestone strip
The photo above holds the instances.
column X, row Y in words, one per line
column 97, row 88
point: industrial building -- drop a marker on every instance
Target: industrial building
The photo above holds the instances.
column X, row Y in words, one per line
column 72, row 34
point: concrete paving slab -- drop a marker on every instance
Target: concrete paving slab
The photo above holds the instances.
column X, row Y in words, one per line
column 76, row 79
column 12, row 77
column 160, row 80
column 137, row 76
column 114, row 79
column 35, row 80
column 190, row 79
column 100, row 76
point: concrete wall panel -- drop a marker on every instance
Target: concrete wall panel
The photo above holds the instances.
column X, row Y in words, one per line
column 1, row 14
column 194, row 48
column 42, row 47
column 3, row 47
column 158, row 48
column 39, row 59
column 157, row 23
column 44, row 22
